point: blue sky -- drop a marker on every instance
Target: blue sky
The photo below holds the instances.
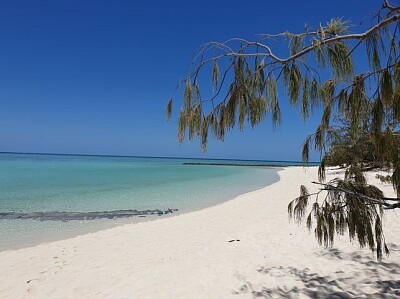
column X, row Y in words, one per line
column 93, row 77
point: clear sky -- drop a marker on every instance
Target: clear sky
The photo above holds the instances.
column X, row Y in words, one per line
column 93, row 77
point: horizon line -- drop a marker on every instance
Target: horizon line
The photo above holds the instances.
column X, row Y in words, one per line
column 136, row 156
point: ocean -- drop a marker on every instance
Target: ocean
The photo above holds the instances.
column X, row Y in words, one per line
column 91, row 184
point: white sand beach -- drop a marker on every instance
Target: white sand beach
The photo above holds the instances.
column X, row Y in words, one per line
column 191, row 256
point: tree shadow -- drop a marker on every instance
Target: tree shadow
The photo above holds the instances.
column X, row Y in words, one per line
column 368, row 280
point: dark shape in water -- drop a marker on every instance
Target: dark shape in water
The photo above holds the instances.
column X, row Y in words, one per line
column 241, row 164
column 67, row 216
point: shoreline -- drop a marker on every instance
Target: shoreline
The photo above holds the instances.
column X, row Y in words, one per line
column 96, row 225
column 238, row 248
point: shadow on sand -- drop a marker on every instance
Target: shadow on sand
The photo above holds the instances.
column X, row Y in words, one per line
column 369, row 279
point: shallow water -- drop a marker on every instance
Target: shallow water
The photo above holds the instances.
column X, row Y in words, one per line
column 47, row 183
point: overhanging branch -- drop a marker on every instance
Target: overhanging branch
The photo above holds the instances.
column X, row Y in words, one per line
column 378, row 201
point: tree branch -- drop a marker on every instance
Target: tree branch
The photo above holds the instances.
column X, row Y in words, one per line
column 381, row 201
column 270, row 54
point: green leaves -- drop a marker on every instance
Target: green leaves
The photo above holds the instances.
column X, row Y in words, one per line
column 321, row 170
column 345, row 68
column 328, row 91
column 181, row 125
column 396, row 179
column 377, row 117
column 204, row 132
column 357, row 106
column 371, row 45
column 337, row 26
column 295, row 84
column 386, row 88
column 242, row 111
column 276, row 114
column 230, row 111
column 272, row 101
column 188, row 94
column 272, row 90
column 343, row 210
column 215, row 75
column 168, row 109
column 297, row 207
column 319, row 53
column 258, row 109
column 296, row 44
column 326, row 116
column 306, row 150
column 314, row 93
column 259, row 81
column 396, row 92
column 306, row 95
column 339, row 59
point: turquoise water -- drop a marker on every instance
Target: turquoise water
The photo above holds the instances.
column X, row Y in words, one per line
column 45, row 183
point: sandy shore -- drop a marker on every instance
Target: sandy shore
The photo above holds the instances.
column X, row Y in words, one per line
column 190, row 256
